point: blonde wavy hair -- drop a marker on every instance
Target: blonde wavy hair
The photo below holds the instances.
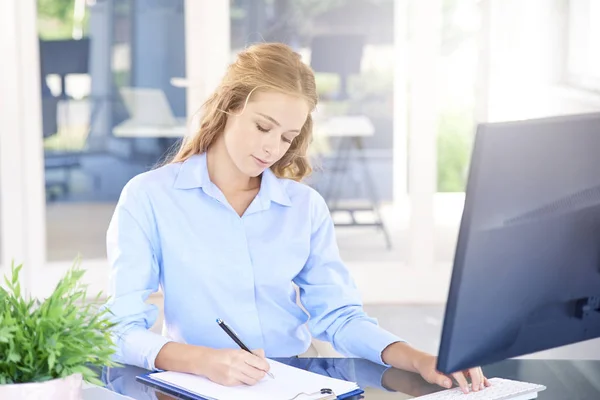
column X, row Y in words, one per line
column 265, row 66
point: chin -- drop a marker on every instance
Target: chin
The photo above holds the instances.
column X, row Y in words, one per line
column 253, row 172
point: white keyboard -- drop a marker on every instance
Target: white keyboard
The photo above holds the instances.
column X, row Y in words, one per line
column 501, row 389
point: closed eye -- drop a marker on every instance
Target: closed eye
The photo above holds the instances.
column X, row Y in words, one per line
column 260, row 128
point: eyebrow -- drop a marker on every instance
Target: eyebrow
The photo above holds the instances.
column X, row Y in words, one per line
column 273, row 120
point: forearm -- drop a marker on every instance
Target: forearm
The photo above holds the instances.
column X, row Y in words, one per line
column 402, row 356
column 182, row 358
column 137, row 346
column 363, row 338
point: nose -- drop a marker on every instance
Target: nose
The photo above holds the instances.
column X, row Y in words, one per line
column 271, row 143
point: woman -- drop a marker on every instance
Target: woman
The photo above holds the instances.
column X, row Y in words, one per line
column 226, row 229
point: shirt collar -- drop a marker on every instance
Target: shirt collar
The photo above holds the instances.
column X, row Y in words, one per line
column 273, row 189
column 193, row 173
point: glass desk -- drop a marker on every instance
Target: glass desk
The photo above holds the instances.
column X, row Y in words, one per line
column 572, row 380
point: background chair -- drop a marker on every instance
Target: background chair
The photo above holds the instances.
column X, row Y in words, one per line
column 62, row 58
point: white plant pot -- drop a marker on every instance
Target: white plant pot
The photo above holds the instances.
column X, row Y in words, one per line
column 69, row 388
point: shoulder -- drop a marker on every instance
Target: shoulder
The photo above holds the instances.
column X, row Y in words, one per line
column 306, row 197
column 152, row 182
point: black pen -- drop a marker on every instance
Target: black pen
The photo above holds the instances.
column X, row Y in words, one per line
column 237, row 340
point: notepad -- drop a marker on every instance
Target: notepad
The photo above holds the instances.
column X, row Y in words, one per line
column 288, row 383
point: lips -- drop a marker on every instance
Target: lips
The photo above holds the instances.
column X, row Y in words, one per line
column 261, row 162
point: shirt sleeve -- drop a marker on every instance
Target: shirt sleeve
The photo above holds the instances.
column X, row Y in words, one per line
column 332, row 299
column 133, row 255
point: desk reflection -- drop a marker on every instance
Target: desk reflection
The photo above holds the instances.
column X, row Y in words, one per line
column 371, row 377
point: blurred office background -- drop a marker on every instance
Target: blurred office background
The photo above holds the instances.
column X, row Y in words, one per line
column 105, row 88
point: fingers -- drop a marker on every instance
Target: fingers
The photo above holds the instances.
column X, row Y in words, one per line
column 250, row 375
column 243, row 369
column 462, row 381
column 476, row 379
column 442, row 380
column 257, row 361
column 248, row 369
column 230, row 381
column 245, row 379
column 432, row 375
column 483, row 380
column 253, row 372
column 486, row 382
column 259, row 352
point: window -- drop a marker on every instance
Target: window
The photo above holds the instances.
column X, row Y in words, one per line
column 583, row 64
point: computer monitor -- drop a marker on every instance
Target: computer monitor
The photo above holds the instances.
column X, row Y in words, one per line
column 526, row 273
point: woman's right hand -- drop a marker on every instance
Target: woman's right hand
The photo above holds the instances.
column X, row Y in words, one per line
column 230, row 367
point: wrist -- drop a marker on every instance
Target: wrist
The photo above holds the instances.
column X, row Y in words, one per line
column 403, row 356
column 181, row 357
column 198, row 360
column 420, row 360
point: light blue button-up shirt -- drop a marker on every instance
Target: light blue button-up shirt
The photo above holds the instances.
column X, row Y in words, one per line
column 174, row 229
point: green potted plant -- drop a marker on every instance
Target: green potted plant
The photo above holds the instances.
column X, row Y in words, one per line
column 47, row 347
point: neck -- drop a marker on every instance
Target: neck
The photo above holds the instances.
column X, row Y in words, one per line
column 225, row 174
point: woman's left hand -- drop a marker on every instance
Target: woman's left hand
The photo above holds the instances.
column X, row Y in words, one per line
column 403, row 356
column 426, row 366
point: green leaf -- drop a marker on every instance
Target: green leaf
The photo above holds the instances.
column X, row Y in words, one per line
column 51, row 360
column 6, row 334
column 53, row 337
column 14, row 357
column 15, row 273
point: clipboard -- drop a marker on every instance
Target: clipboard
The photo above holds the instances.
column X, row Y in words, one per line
column 184, row 394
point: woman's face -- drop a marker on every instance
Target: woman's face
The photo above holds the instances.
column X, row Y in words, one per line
column 259, row 136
